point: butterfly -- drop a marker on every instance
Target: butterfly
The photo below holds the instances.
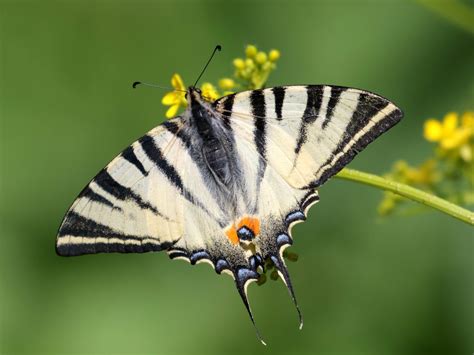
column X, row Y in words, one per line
column 224, row 182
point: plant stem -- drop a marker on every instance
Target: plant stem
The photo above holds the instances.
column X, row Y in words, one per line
column 410, row 193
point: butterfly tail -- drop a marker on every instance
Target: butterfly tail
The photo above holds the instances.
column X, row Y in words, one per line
column 243, row 277
column 285, row 276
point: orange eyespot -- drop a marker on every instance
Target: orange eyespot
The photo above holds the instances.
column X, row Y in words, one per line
column 251, row 223
column 231, row 233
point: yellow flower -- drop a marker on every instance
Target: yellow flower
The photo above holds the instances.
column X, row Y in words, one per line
column 261, row 57
column 274, row 55
column 433, row 130
column 251, row 51
column 209, row 92
column 424, row 175
column 253, row 70
column 175, row 98
column 448, row 133
column 239, row 63
column 467, row 120
column 249, row 63
column 268, row 66
column 226, row 84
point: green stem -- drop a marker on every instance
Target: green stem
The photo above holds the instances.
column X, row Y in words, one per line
column 410, row 193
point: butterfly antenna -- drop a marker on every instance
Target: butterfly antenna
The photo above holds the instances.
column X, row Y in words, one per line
column 242, row 283
column 285, row 276
column 136, row 83
column 218, row 48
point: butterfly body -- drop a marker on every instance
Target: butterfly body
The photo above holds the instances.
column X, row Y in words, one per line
column 225, row 181
column 216, row 147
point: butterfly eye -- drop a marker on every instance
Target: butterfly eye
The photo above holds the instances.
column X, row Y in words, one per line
column 198, row 91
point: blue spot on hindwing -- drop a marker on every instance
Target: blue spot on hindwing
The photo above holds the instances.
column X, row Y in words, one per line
column 255, row 261
column 244, row 274
column 198, row 255
column 283, row 239
column 295, row 216
column 221, row 265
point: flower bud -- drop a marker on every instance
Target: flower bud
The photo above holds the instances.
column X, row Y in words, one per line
column 226, row 84
column 274, row 55
column 251, row 51
column 261, row 57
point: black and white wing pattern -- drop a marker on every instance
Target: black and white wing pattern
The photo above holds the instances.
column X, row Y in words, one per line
column 291, row 140
column 225, row 182
column 123, row 209
column 142, row 201
column 309, row 133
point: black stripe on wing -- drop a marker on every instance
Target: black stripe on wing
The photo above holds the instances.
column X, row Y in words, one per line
column 311, row 113
column 120, row 192
column 336, row 92
column 156, row 156
column 279, row 95
column 93, row 196
column 257, row 102
column 196, row 154
column 76, row 225
column 176, row 130
column 368, row 106
column 129, row 155
column 224, row 105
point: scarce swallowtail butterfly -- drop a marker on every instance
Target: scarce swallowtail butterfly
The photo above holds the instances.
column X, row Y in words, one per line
column 224, row 182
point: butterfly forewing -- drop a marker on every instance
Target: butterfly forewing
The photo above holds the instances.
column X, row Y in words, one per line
column 312, row 132
column 132, row 205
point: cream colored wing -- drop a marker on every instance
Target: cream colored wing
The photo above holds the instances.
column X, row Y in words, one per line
column 309, row 133
column 290, row 141
column 140, row 202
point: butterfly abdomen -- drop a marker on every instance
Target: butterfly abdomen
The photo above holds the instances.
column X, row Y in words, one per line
column 217, row 160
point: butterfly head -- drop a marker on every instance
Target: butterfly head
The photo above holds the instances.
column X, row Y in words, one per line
column 197, row 104
column 194, row 94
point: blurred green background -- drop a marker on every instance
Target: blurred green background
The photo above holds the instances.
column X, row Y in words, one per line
column 366, row 285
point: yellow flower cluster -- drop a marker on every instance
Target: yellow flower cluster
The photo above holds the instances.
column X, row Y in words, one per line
column 451, row 135
column 255, row 69
column 425, row 176
column 450, row 173
column 251, row 73
column 209, row 92
column 176, row 98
